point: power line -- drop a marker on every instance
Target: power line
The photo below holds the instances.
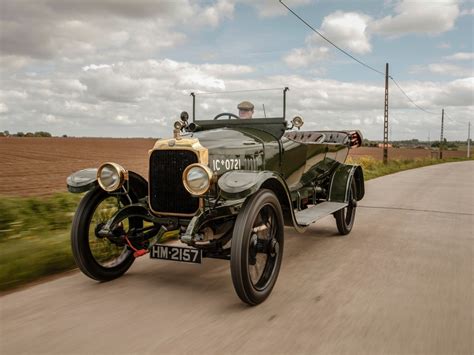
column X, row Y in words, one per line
column 450, row 118
column 409, row 98
column 354, row 58
column 332, row 43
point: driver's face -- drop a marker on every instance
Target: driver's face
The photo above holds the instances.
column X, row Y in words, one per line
column 245, row 114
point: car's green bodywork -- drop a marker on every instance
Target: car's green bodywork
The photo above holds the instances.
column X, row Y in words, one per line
column 296, row 168
column 226, row 188
column 302, row 168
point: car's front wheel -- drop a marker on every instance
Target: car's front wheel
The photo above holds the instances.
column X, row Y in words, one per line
column 96, row 256
column 257, row 247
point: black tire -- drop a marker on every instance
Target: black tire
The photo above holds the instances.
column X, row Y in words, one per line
column 346, row 216
column 91, row 253
column 262, row 211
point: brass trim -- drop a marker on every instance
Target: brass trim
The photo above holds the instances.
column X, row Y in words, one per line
column 123, row 176
column 186, row 143
column 209, row 173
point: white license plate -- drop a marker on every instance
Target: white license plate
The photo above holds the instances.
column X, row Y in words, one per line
column 167, row 252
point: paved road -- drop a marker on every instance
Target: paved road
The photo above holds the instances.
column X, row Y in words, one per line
column 401, row 282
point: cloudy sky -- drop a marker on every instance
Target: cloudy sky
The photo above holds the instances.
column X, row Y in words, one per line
column 125, row 68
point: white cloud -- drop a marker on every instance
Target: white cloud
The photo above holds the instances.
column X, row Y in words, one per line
column 124, row 120
column 14, row 94
column 348, row 30
column 3, row 108
column 461, row 56
column 95, row 67
column 51, row 119
column 98, row 68
column 12, row 62
column 418, row 16
column 443, row 45
column 143, row 98
column 212, row 15
column 272, row 8
column 450, row 69
column 113, row 86
column 80, row 31
column 467, row 12
column 459, row 92
column 303, row 57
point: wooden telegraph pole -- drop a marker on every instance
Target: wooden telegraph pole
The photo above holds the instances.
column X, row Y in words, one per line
column 441, row 141
column 469, row 140
column 385, row 119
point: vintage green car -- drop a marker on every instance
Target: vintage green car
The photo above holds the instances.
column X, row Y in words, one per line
column 220, row 188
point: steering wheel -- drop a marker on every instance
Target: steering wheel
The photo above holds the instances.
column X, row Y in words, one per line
column 226, row 114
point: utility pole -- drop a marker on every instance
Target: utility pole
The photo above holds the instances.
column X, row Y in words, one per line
column 469, row 140
column 441, row 141
column 385, row 119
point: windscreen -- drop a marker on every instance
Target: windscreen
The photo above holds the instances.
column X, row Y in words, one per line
column 268, row 103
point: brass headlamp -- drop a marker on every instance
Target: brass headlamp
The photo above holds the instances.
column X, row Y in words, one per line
column 111, row 176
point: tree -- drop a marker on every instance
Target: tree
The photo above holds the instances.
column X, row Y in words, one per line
column 42, row 134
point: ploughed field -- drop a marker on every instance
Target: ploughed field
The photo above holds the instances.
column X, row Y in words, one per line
column 40, row 166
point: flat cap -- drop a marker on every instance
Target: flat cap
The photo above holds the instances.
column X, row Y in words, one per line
column 245, row 105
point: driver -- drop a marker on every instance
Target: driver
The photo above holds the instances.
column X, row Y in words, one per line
column 245, row 109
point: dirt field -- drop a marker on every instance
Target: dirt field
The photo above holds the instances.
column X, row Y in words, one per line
column 39, row 166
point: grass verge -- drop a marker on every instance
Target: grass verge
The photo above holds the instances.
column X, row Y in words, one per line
column 35, row 232
column 375, row 168
column 34, row 237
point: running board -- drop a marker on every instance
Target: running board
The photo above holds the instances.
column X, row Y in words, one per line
column 312, row 214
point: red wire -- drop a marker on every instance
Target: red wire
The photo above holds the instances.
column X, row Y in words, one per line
column 130, row 244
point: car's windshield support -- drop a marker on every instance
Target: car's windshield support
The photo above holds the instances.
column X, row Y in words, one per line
column 194, row 104
column 284, row 102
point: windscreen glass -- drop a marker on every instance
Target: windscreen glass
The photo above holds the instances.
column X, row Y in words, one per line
column 267, row 103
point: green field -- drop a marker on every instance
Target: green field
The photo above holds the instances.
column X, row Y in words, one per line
column 34, row 234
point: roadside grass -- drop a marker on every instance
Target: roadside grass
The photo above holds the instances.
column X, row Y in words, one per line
column 35, row 232
column 374, row 168
column 34, row 237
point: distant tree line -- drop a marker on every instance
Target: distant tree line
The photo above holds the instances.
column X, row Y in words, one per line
column 416, row 143
column 446, row 144
column 28, row 134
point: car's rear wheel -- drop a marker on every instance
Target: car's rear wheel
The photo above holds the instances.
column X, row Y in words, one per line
column 257, row 247
column 346, row 216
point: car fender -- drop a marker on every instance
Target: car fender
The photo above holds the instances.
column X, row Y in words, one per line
column 86, row 179
column 341, row 183
column 240, row 184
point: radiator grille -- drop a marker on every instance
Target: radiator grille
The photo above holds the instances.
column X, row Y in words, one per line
column 167, row 193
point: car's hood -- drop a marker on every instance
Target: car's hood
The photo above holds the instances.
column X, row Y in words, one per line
column 228, row 139
column 233, row 149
